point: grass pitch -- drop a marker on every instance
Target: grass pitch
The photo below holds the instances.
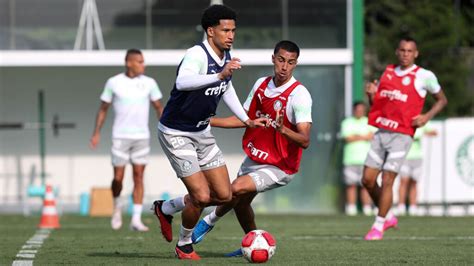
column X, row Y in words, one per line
column 301, row 240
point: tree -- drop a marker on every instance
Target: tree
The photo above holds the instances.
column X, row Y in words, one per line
column 441, row 29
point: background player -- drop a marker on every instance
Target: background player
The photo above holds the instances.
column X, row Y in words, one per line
column 397, row 103
column 130, row 93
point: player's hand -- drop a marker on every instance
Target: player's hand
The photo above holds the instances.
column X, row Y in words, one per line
column 419, row 120
column 371, row 87
column 259, row 122
column 229, row 68
column 94, row 141
column 279, row 120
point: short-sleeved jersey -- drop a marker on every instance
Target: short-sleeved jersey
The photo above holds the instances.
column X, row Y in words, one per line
column 130, row 98
column 416, row 152
column 298, row 109
column 191, row 111
column 355, row 152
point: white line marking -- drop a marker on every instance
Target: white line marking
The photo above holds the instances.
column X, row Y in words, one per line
column 32, row 246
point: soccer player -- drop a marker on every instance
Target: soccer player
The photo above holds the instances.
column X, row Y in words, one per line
column 274, row 153
column 203, row 78
column 130, row 93
column 357, row 135
column 397, row 103
column 411, row 171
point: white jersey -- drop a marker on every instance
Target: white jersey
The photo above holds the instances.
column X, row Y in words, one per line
column 298, row 109
column 131, row 98
column 425, row 80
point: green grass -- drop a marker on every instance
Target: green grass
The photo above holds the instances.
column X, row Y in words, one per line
column 301, row 240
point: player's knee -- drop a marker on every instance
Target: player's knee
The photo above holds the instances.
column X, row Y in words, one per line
column 368, row 183
column 201, row 199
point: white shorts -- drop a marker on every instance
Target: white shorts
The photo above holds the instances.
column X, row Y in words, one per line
column 265, row 176
column 412, row 169
column 135, row 151
column 189, row 154
column 353, row 174
column 388, row 150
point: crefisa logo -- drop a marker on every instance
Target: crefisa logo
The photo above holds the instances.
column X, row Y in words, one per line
column 465, row 160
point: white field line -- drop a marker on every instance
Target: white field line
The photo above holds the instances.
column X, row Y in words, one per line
column 27, row 253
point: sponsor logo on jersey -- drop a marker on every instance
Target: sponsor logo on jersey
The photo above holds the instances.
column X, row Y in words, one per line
column 213, row 91
column 406, row 81
column 389, row 76
column 256, row 152
column 394, row 95
column 259, row 114
column 203, row 122
column 277, row 105
column 386, row 122
column 211, row 65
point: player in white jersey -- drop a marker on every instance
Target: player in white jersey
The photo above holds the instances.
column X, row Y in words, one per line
column 130, row 94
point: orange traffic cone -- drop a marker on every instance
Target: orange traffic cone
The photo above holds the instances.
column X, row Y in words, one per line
column 49, row 216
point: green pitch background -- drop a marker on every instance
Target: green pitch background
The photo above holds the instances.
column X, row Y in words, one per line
column 301, row 240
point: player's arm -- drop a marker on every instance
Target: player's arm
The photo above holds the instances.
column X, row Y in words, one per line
column 422, row 119
column 99, row 122
column 370, row 90
column 302, row 134
column 158, row 108
column 227, row 122
column 353, row 138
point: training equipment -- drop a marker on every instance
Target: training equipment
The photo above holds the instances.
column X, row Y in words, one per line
column 201, row 229
column 49, row 216
column 258, row 246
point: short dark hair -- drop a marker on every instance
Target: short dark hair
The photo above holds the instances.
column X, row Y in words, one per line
column 408, row 39
column 132, row 52
column 287, row 46
column 212, row 15
column 357, row 103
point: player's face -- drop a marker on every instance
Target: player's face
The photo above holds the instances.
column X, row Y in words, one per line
column 136, row 64
column 222, row 35
column 406, row 53
column 359, row 111
column 284, row 63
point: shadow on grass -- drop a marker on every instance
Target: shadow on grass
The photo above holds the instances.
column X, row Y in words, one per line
column 158, row 255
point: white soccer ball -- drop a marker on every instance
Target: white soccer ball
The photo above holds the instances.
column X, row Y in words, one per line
column 258, row 246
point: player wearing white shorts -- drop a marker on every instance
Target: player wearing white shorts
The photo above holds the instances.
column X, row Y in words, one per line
column 273, row 153
column 203, row 79
column 397, row 103
column 130, row 94
column 411, row 172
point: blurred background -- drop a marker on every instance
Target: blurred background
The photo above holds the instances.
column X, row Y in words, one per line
column 55, row 56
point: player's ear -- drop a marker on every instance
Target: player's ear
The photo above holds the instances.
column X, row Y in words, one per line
column 416, row 54
column 273, row 58
column 210, row 31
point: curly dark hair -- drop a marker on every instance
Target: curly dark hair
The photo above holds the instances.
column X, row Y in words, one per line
column 212, row 15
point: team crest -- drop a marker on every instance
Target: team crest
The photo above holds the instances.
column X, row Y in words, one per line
column 406, row 81
column 277, row 105
column 186, row 166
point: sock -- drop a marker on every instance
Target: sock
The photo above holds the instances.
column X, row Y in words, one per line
column 367, row 209
column 389, row 215
column 212, row 218
column 118, row 204
column 137, row 213
column 351, row 209
column 412, row 210
column 378, row 224
column 185, row 236
column 173, row 206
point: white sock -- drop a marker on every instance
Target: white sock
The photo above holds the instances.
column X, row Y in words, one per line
column 118, row 204
column 412, row 210
column 389, row 215
column 378, row 224
column 212, row 218
column 351, row 209
column 137, row 213
column 173, row 206
column 367, row 209
column 185, row 236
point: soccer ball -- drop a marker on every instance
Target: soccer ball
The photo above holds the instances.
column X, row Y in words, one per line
column 258, row 246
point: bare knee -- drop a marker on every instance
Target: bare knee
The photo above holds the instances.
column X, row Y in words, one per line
column 200, row 199
column 368, row 182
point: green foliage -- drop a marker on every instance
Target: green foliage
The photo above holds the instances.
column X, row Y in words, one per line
column 441, row 30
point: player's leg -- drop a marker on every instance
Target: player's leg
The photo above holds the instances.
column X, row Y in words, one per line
column 244, row 212
column 402, row 194
column 351, row 179
column 139, row 152
column 116, row 186
column 366, row 202
column 413, row 209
